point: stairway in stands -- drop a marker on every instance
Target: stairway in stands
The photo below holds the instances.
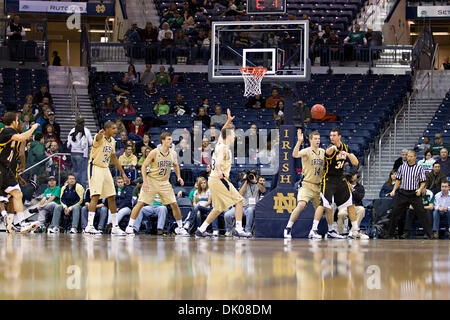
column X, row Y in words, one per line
column 421, row 112
column 58, row 79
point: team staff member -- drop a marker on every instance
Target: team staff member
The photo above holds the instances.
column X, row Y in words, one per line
column 411, row 179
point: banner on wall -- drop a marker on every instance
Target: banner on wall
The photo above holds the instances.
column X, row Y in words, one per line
column 52, row 7
column 433, row 11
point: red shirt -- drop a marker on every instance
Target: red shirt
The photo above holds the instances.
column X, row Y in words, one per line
column 122, row 110
column 136, row 130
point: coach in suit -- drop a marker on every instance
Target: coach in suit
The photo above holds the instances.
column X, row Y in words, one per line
column 411, row 179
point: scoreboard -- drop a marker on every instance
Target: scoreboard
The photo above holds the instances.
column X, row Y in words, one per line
column 266, row 6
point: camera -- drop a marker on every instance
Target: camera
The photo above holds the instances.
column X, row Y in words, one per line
column 251, row 175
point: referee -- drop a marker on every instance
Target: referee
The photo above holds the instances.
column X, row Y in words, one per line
column 411, row 179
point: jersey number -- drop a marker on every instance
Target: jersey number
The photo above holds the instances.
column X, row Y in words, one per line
column 340, row 164
column 213, row 164
column 162, row 171
column 317, row 171
column 107, row 158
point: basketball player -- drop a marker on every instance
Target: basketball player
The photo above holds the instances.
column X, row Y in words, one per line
column 223, row 193
column 10, row 141
column 156, row 181
column 101, row 182
column 336, row 187
column 312, row 171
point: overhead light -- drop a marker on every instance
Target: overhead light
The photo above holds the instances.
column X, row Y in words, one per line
column 111, row 19
column 27, row 29
column 104, row 39
column 434, row 33
column 100, row 31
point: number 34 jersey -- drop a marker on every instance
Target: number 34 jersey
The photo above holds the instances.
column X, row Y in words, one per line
column 161, row 166
column 312, row 165
column 334, row 164
column 101, row 151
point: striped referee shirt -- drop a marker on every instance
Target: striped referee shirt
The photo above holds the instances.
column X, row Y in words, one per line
column 411, row 176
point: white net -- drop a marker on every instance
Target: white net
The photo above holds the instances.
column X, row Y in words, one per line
column 252, row 79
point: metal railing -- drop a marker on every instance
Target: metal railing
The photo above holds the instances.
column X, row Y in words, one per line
column 46, row 160
column 72, row 91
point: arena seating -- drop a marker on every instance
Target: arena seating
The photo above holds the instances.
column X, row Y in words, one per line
column 440, row 122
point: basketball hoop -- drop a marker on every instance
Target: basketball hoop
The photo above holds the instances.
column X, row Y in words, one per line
column 252, row 79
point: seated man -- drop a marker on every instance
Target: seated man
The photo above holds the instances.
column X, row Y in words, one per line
column 128, row 159
column 48, row 202
column 123, row 88
column 101, row 213
column 358, row 193
column 71, row 200
column 441, row 208
column 428, row 205
column 124, row 196
column 157, row 210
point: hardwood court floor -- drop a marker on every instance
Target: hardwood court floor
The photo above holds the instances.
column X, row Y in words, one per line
column 63, row 266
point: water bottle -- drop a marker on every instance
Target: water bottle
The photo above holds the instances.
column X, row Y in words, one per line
column 374, row 234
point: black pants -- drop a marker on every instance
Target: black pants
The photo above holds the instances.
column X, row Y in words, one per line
column 402, row 202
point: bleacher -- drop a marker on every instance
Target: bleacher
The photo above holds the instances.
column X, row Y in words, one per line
column 440, row 122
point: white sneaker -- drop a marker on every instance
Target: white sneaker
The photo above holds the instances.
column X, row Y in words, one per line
column 357, row 234
column 229, row 233
column 53, row 230
column 215, row 233
column 241, row 234
column 73, row 231
column 91, row 230
column 181, row 232
column 117, row 231
column 314, row 235
column 333, row 234
column 287, row 233
column 129, row 230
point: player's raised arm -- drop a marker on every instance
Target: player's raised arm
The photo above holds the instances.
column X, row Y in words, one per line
column 229, row 120
column 26, row 135
column 99, row 135
column 116, row 163
column 296, row 153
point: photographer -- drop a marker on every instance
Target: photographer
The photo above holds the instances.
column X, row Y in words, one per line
column 250, row 190
column 358, row 193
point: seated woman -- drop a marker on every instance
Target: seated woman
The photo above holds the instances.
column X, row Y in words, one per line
column 126, row 108
column 387, row 188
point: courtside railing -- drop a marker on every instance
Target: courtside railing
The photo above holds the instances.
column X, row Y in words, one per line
column 52, row 169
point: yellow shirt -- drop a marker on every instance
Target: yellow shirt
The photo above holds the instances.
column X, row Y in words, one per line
column 312, row 165
column 101, row 151
column 224, row 151
column 124, row 160
column 161, row 166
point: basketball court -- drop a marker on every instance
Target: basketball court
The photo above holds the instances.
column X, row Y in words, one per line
column 67, row 266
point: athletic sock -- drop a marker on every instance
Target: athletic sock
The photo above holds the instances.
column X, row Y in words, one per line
column 4, row 214
column 330, row 227
column 21, row 217
column 238, row 225
column 315, row 225
column 180, row 223
column 290, row 224
column 203, row 226
column 114, row 219
column 131, row 223
column 91, row 219
column 355, row 226
column 187, row 224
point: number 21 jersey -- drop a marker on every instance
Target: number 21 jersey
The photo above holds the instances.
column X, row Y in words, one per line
column 161, row 166
column 101, row 151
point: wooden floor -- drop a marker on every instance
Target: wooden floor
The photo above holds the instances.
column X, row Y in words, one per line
column 63, row 266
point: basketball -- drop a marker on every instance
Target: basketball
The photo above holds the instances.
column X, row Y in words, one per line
column 318, row 111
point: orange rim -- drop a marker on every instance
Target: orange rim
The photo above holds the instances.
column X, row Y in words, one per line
column 254, row 70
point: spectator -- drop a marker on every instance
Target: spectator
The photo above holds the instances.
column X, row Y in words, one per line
column 120, row 126
column 180, row 107
column 146, row 142
column 428, row 205
column 150, row 33
column 49, row 201
column 148, row 76
column 162, row 77
column 427, row 162
column 219, row 118
column 145, row 154
column 26, row 123
column 56, row 59
column 42, row 118
column 205, row 49
column 126, row 108
column 205, row 104
column 358, row 193
column 49, row 133
column 123, row 88
column 132, row 74
column 150, row 90
column 157, row 210
column 255, row 102
column 15, row 32
column 169, row 12
column 108, row 106
column 137, row 127
column 250, row 191
column 101, row 213
column 165, row 29
column 301, row 108
column 202, row 207
column 189, row 23
column 444, row 162
column 29, row 107
column 400, row 160
column 57, row 162
column 35, row 155
column 161, row 108
column 167, row 45
column 56, row 127
column 136, row 190
column 326, row 32
column 78, row 141
column 356, row 37
column 205, row 174
column 278, row 113
column 124, row 198
column 128, row 159
column 203, row 117
column 177, row 21
column 197, row 42
column 315, row 47
column 39, row 96
column 203, row 154
column 121, row 143
column 213, row 135
column 334, row 44
column 387, row 188
column 441, row 208
column 438, row 145
column 435, row 178
column 181, row 44
column 71, row 199
column 424, row 146
column 272, row 101
column 446, row 64
column 133, row 34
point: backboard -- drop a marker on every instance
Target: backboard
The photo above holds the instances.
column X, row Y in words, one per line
column 280, row 46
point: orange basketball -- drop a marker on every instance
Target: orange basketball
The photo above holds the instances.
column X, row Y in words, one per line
column 318, row 111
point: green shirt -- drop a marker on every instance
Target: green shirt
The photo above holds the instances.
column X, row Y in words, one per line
column 162, row 78
column 428, row 198
column 356, row 36
column 136, row 192
column 55, row 192
column 191, row 194
column 163, row 109
column 1, row 125
column 436, row 148
column 156, row 201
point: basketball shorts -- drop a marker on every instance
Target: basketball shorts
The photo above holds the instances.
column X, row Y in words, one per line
column 309, row 192
column 101, row 181
column 223, row 194
column 163, row 188
column 336, row 190
column 8, row 183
